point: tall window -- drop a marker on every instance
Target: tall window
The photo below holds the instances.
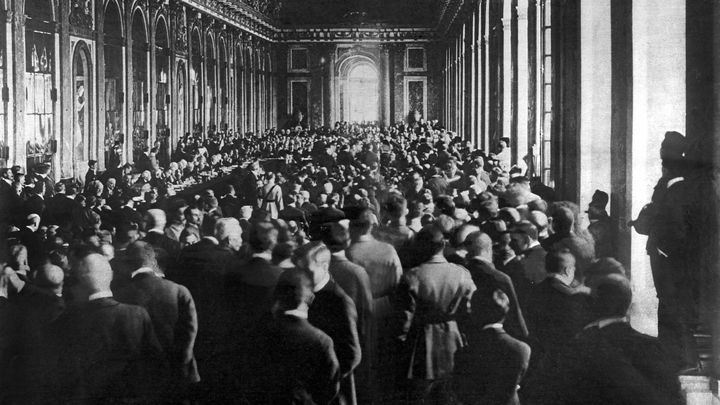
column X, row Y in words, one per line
column 546, row 80
column 196, row 81
column 140, row 96
column 114, row 83
column 39, row 76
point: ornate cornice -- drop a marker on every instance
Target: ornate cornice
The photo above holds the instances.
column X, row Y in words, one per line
column 368, row 34
column 237, row 14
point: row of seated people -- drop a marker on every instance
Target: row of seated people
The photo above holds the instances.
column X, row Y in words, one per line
column 399, row 269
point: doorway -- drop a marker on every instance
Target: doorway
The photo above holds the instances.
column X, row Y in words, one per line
column 362, row 95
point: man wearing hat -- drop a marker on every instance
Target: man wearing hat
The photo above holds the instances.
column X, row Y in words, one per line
column 601, row 225
column 672, row 247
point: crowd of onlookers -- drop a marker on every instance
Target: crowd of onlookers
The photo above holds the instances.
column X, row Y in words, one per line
column 356, row 264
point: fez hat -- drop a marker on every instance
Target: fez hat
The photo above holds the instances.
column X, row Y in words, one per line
column 599, row 199
column 674, row 141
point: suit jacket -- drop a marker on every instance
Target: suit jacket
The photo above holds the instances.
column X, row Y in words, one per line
column 603, row 236
column 107, row 351
column 430, row 297
column 230, row 206
column 487, row 278
column 27, row 331
column 35, row 204
column 333, row 312
column 90, row 176
column 172, row 312
column 293, row 362
column 614, row 364
column 248, row 289
column 248, row 189
column 201, row 268
column 490, row 368
column 556, row 313
column 161, row 241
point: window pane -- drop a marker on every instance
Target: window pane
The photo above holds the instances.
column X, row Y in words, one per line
column 547, row 94
column 548, row 12
column 547, row 126
column 547, row 38
column 547, row 69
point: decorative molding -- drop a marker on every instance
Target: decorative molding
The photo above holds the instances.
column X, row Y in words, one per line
column 366, row 35
column 81, row 14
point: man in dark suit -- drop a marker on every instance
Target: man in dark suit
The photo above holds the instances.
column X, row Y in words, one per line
column 674, row 244
column 108, row 351
column 249, row 285
column 489, row 369
column 601, row 225
column 487, row 277
column 558, row 306
column 91, row 174
column 292, row 361
column 333, row 312
column 35, row 204
column 32, row 311
column 171, row 309
column 248, row 185
column 355, row 282
column 564, row 237
column 155, row 221
column 229, row 203
column 28, row 236
column 609, row 361
column 42, row 175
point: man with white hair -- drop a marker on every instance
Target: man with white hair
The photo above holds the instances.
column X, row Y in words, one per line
column 108, row 351
column 155, row 221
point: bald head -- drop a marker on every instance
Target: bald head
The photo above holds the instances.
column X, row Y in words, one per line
column 93, row 274
column 479, row 244
column 51, row 277
column 156, row 219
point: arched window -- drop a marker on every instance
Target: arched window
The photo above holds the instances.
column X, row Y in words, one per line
column 181, row 100
column 162, row 81
column 114, row 83
column 82, row 137
column 362, row 95
column 196, row 80
column 223, row 79
column 210, row 90
column 39, row 81
column 140, row 95
column 240, row 86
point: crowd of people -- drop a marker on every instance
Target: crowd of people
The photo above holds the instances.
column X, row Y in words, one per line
column 349, row 265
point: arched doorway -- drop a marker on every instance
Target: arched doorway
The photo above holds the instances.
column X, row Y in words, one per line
column 140, row 84
column 82, row 137
column 114, row 84
column 362, row 94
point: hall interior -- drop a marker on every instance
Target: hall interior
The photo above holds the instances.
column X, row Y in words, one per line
column 583, row 89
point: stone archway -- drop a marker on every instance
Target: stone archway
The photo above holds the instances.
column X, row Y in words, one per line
column 360, row 88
